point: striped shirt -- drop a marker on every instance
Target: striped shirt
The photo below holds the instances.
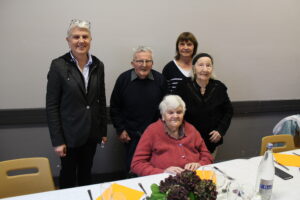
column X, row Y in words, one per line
column 174, row 75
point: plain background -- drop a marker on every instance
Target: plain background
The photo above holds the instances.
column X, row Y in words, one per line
column 255, row 43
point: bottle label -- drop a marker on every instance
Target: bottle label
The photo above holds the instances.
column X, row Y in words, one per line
column 265, row 187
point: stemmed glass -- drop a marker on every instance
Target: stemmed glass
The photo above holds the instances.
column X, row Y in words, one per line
column 238, row 191
column 220, row 180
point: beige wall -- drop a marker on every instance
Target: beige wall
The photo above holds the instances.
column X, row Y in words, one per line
column 255, row 43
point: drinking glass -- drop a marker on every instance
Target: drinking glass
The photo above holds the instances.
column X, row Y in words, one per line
column 219, row 179
column 247, row 191
column 237, row 191
column 233, row 192
column 222, row 184
column 207, row 173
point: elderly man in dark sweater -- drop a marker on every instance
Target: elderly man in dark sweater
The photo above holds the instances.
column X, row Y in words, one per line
column 135, row 99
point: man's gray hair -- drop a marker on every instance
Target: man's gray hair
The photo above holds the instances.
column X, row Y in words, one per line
column 80, row 24
column 171, row 102
column 141, row 49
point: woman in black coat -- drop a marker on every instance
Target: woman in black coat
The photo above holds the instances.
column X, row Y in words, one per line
column 208, row 106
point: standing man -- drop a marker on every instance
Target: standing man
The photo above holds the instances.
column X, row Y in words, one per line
column 76, row 106
column 135, row 99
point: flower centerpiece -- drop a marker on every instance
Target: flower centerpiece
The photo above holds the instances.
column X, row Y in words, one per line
column 184, row 186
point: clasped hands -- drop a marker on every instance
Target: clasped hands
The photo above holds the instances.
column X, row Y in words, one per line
column 177, row 170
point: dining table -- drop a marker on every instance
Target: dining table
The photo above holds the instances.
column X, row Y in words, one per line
column 243, row 171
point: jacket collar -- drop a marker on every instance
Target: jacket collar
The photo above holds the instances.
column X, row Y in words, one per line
column 134, row 76
column 69, row 59
column 90, row 61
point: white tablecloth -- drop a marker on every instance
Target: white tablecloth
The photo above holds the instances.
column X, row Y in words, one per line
column 243, row 170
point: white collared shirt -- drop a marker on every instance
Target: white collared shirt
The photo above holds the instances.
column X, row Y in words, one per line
column 86, row 69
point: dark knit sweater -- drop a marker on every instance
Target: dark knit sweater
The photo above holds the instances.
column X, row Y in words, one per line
column 173, row 76
column 134, row 103
column 213, row 111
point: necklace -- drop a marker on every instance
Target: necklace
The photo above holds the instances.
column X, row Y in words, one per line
column 202, row 90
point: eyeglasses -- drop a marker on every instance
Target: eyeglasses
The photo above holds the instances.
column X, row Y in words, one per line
column 141, row 62
column 80, row 23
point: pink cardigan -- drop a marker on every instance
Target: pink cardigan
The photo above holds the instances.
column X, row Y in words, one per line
column 157, row 151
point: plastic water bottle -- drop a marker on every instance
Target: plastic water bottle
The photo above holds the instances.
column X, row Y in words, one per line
column 265, row 174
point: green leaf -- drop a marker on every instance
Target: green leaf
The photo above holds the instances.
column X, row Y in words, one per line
column 154, row 188
column 192, row 196
column 156, row 194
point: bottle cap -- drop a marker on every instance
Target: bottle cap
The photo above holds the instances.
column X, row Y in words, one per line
column 269, row 146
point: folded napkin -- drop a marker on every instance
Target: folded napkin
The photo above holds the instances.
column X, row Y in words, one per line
column 206, row 174
column 288, row 160
column 120, row 192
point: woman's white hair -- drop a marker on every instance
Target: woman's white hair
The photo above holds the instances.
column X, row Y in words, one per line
column 171, row 102
column 80, row 24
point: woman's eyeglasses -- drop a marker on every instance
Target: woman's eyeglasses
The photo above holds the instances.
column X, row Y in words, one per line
column 80, row 23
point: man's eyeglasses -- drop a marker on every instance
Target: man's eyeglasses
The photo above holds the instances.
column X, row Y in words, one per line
column 141, row 62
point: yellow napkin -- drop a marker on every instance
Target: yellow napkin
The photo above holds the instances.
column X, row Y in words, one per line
column 120, row 192
column 288, row 160
column 206, row 174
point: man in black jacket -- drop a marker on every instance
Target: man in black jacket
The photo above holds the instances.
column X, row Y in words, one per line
column 76, row 106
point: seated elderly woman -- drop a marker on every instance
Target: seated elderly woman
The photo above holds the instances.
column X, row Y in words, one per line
column 170, row 144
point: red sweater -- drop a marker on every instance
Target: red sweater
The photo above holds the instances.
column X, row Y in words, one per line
column 157, row 151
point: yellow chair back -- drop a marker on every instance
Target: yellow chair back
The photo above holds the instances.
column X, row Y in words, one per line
column 13, row 184
column 287, row 142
